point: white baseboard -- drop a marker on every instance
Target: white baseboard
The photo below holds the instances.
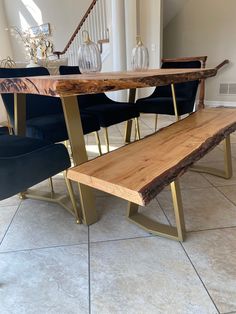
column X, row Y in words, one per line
column 211, row 103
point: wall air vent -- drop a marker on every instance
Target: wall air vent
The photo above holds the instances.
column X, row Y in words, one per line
column 227, row 89
column 232, row 89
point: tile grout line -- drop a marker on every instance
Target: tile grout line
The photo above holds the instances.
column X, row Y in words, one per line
column 201, row 230
column 124, row 239
column 156, row 198
column 10, row 223
column 211, row 229
column 217, row 188
column 193, row 265
column 89, row 273
column 201, row 280
column 43, row 248
column 220, row 186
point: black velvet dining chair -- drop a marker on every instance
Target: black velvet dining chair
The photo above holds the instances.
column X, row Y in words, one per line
column 161, row 100
column 26, row 161
column 44, row 114
column 108, row 111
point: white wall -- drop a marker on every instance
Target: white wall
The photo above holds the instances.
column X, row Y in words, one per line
column 151, row 33
column 63, row 16
column 5, row 49
column 206, row 27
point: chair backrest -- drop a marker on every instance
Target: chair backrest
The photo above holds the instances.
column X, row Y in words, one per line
column 201, row 59
column 36, row 105
column 85, row 100
column 187, row 90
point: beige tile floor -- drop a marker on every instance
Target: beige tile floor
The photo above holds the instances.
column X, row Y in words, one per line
column 48, row 264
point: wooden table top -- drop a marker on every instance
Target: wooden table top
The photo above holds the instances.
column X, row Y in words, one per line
column 69, row 85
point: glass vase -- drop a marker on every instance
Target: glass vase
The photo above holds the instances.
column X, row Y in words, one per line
column 140, row 56
column 89, row 56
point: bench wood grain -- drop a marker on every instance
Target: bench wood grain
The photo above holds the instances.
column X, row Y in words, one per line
column 139, row 171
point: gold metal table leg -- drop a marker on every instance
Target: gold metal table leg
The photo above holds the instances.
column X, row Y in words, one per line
column 227, row 172
column 20, row 114
column 154, row 227
column 128, row 129
column 20, row 129
column 79, row 154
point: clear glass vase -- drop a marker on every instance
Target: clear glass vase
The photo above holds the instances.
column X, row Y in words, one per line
column 89, row 56
column 140, row 56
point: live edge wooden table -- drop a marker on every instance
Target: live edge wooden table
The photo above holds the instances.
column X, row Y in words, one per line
column 69, row 86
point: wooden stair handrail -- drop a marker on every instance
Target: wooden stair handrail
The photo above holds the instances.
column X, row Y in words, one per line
column 58, row 53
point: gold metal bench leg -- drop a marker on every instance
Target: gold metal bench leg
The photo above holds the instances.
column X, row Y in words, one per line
column 154, row 227
column 178, row 209
column 227, row 172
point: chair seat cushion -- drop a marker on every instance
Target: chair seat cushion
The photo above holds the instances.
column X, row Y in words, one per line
column 53, row 128
column 164, row 105
column 112, row 113
column 25, row 162
column 4, row 130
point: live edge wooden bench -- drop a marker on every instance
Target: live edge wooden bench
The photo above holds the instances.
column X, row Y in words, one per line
column 139, row 171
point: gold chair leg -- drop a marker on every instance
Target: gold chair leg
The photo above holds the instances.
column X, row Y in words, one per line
column 175, row 102
column 106, row 139
column 227, row 172
column 137, row 129
column 77, row 212
column 154, row 227
column 51, row 186
column 98, row 143
column 66, row 143
column 66, row 201
column 156, row 121
column 10, row 128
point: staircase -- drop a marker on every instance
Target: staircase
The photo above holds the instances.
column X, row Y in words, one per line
column 95, row 22
column 171, row 8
